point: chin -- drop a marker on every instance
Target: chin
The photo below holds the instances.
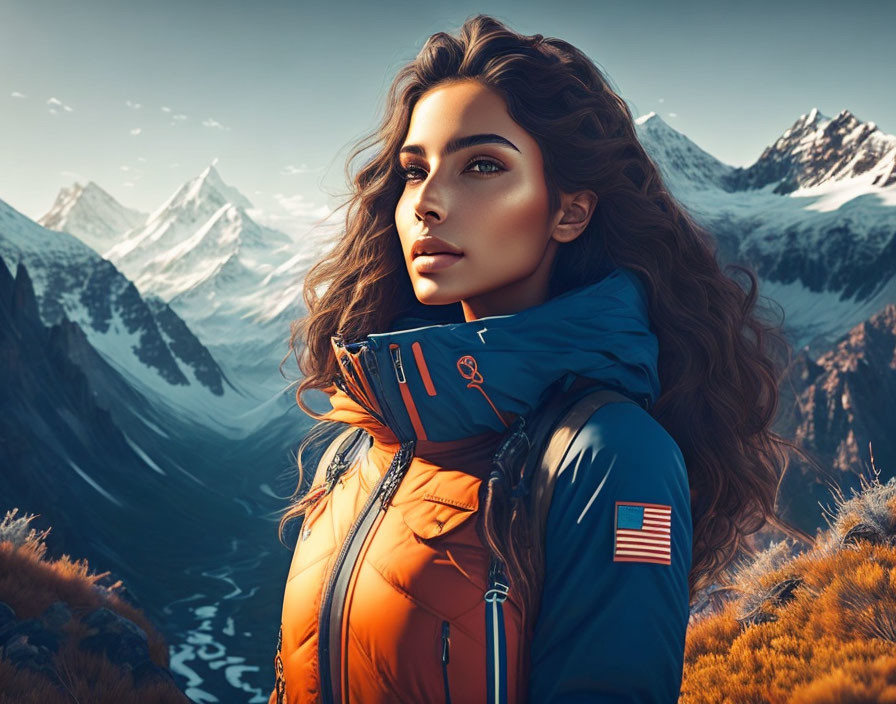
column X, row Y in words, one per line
column 435, row 298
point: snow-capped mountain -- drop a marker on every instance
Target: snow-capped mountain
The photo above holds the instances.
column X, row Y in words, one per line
column 679, row 159
column 184, row 515
column 236, row 283
column 147, row 343
column 815, row 217
column 180, row 224
column 96, row 217
column 818, row 150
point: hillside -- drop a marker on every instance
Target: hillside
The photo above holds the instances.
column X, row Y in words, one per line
column 65, row 636
column 817, row 627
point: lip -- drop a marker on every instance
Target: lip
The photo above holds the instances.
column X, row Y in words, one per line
column 428, row 245
column 426, row 263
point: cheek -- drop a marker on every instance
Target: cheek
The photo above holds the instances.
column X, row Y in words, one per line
column 402, row 223
column 514, row 222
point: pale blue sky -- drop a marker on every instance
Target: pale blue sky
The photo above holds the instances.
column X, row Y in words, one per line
column 278, row 91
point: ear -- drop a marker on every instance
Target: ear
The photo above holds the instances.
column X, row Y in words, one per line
column 574, row 214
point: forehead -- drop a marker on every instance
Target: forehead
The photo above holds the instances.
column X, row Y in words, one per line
column 461, row 108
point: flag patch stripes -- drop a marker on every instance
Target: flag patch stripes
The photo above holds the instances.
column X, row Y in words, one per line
column 642, row 533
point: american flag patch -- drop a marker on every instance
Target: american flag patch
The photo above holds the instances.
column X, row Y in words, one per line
column 642, row 533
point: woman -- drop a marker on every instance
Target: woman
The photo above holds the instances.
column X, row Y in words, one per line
column 509, row 237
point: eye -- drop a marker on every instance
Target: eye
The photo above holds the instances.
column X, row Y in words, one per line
column 408, row 172
column 487, row 162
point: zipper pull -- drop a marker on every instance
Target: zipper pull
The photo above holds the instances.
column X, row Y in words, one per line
column 396, row 471
column 445, row 642
column 335, row 470
column 396, row 363
column 498, row 589
column 445, row 645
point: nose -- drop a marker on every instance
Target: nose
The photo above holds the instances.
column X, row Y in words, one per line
column 429, row 201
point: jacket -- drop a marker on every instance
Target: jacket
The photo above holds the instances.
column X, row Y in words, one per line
column 384, row 597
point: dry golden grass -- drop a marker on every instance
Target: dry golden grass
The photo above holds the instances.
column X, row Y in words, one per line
column 817, row 627
column 29, row 583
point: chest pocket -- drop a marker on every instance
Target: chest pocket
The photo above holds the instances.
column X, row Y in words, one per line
column 447, row 566
column 441, row 506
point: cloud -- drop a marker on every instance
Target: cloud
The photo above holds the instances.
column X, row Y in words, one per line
column 673, row 114
column 56, row 102
column 165, row 108
column 210, row 122
column 174, row 165
column 16, row 94
column 131, row 104
column 74, row 175
column 179, row 116
column 136, row 130
column 661, row 100
column 128, row 184
column 299, row 206
column 125, row 168
column 291, row 170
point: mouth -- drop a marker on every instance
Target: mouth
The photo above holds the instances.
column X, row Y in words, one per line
column 425, row 263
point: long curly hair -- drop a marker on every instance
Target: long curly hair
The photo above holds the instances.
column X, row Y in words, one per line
column 720, row 360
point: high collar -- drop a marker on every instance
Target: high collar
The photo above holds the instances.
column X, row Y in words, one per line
column 467, row 381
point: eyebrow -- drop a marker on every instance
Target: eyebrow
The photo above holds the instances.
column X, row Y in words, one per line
column 462, row 143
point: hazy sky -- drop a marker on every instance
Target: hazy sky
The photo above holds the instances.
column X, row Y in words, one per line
column 140, row 97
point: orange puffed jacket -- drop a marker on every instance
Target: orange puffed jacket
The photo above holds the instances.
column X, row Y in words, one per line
column 387, row 595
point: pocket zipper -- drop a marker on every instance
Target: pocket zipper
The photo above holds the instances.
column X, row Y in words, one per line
column 446, row 642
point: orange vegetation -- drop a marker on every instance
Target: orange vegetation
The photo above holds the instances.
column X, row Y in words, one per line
column 29, row 584
column 817, row 627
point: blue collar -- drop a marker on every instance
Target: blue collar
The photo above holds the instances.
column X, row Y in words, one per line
column 447, row 382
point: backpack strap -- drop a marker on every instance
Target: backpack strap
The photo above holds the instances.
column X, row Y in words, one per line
column 333, row 462
column 558, row 443
column 337, row 457
column 547, row 437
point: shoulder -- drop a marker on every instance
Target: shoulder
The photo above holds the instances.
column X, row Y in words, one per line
column 628, row 435
column 617, row 559
column 621, row 454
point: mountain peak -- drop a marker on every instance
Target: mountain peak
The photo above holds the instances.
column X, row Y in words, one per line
column 817, row 149
column 91, row 214
column 211, row 175
column 205, row 192
column 683, row 164
column 651, row 117
column 92, row 187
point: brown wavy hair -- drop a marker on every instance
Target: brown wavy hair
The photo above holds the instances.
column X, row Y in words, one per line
column 720, row 361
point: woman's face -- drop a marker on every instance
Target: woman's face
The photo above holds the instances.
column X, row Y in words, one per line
column 488, row 201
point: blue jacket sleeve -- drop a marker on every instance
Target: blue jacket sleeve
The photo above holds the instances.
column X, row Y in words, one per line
column 611, row 627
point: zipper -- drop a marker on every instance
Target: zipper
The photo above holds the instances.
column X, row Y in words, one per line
column 341, row 462
column 343, row 385
column 280, row 683
column 370, row 364
column 406, row 396
column 367, row 360
column 496, row 645
column 446, row 643
column 330, row 619
column 396, row 362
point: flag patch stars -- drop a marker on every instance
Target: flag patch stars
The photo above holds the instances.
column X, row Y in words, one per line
column 642, row 533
